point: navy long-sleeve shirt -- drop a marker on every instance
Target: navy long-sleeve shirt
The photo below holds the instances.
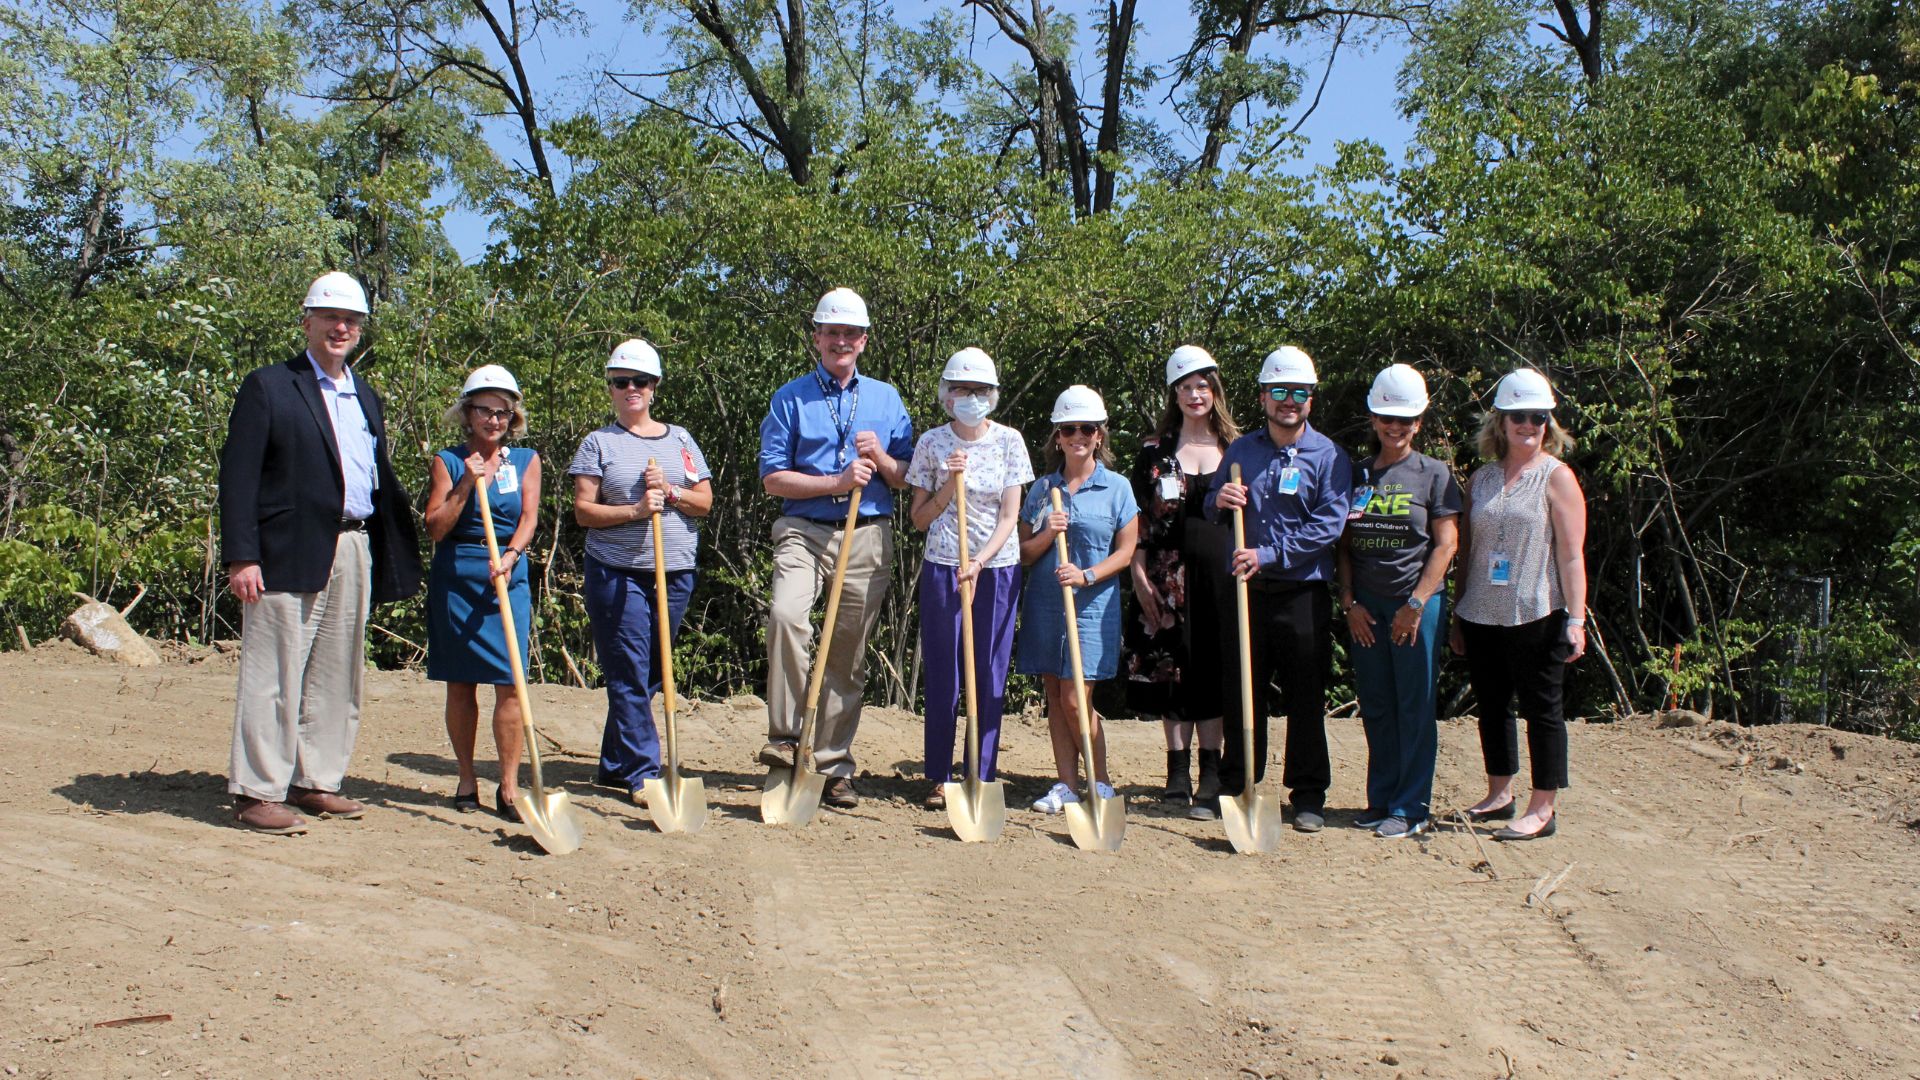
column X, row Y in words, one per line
column 1296, row 501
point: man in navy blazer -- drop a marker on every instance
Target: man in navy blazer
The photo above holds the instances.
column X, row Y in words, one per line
column 314, row 529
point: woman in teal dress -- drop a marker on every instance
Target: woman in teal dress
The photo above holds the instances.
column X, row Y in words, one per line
column 466, row 644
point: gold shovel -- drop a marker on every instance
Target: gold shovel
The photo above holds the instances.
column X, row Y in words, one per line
column 1252, row 817
column 548, row 815
column 976, row 808
column 676, row 803
column 792, row 795
column 1096, row 823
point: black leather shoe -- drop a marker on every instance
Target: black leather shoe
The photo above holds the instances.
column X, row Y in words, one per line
column 508, row 810
column 1552, row 825
column 1498, row 813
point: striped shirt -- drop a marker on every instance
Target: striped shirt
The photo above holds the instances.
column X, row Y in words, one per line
column 619, row 458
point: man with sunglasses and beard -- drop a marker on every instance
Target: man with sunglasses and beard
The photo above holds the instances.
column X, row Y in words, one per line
column 826, row 434
column 1294, row 489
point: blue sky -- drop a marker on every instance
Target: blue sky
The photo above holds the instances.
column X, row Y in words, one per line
column 1358, row 102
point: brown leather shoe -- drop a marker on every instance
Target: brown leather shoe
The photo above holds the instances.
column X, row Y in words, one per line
column 325, row 803
column 840, row 793
column 777, row 754
column 267, row 817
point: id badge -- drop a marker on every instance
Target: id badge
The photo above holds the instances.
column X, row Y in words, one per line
column 1499, row 569
column 506, row 479
column 1362, row 495
column 1169, row 488
column 1290, row 480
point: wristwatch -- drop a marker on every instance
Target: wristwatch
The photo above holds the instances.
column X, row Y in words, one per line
column 1416, row 603
column 673, row 495
column 1088, row 574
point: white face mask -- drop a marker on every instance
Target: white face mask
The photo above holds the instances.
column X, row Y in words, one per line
column 971, row 408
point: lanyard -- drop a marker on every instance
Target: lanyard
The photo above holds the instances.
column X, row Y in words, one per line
column 841, row 430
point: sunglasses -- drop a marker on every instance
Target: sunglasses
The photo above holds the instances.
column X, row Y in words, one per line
column 485, row 413
column 1299, row 394
column 1076, row 429
column 1537, row 419
column 622, row 382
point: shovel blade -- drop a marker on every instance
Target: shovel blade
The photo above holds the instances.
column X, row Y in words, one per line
column 976, row 812
column 1252, row 820
column 791, row 797
column 552, row 820
column 1099, row 825
column 676, row 803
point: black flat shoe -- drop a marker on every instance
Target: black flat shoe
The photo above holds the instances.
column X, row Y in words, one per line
column 1498, row 813
column 507, row 810
column 1552, row 825
column 466, row 803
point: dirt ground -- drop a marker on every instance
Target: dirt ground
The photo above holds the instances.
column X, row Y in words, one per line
column 1728, row 903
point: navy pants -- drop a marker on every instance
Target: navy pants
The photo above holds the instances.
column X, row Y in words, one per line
column 996, row 599
column 621, row 606
column 1397, row 687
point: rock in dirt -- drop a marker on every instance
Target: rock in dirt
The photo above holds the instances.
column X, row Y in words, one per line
column 1678, row 718
column 746, row 703
column 99, row 629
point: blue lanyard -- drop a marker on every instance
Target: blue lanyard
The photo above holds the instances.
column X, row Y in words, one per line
column 841, row 430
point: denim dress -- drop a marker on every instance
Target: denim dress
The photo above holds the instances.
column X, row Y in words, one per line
column 1095, row 515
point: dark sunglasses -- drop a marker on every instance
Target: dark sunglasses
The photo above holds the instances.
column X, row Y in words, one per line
column 622, row 382
column 1537, row 419
column 1300, row 394
column 490, row 414
column 1077, row 429
column 1397, row 421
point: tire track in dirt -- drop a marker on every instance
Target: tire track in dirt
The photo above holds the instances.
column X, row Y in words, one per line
column 910, row 991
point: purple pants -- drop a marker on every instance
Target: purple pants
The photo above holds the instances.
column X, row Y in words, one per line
column 996, row 597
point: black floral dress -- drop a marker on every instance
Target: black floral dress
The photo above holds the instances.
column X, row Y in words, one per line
column 1175, row 671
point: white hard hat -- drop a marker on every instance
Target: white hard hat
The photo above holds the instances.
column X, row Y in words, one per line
column 841, row 307
column 1288, row 364
column 491, row 377
column 1398, row 391
column 634, row 354
column 1079, row 405
column 336, row 290
column 1523, row 388
column 970, row 365
column 1186, row 360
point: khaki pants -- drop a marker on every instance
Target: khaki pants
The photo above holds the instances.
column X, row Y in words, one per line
column 803, row 556
column 302, row 663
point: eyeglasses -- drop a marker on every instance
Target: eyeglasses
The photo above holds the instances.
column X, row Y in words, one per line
column 484, row 413
column 622, row 382
column 1077, row 429
column 1300, row 394
column 1396, row 421
column 1537, row 419
column 1199, row 389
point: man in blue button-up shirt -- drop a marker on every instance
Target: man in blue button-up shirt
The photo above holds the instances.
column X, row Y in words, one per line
column 827, row 433
column 1294, row 495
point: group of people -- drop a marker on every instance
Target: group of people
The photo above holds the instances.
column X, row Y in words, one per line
column 315, row 528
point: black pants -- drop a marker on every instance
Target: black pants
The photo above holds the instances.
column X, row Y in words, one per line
column 1292, row 643
column 1527, row 662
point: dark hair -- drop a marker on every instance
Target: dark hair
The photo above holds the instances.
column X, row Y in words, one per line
column 1220, row 420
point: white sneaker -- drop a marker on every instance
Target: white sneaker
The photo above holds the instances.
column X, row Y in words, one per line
column 1056, row 799
column 1105, row 789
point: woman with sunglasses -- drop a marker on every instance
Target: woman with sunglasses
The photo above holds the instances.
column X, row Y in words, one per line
column 623, row 475
column 1522, row 587
column 1101, row 521
column 466, row 643
column 991, row 459
column 1402, row 529
column 1179, row 580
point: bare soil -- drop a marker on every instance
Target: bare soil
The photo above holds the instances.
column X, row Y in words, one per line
column 1728, row 903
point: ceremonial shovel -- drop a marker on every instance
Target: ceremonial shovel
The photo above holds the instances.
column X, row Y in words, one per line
column 976, row 808
column 792, row 795
column 676, row 803
column 1252, row 817
column 1095, row 823
column 548, row 815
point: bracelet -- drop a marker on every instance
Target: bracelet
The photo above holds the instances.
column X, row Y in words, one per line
column 673, row 495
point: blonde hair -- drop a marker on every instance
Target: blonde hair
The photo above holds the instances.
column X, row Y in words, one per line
column 457, row 414
column 1492, row 438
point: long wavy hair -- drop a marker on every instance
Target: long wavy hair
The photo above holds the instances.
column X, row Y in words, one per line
column 1220, row 420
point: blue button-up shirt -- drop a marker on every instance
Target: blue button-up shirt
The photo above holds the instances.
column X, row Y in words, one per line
column 354, row 438
column 801, row 434
column 1293, row 530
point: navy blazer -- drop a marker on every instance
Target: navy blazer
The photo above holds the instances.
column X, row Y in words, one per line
column 281, row 494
